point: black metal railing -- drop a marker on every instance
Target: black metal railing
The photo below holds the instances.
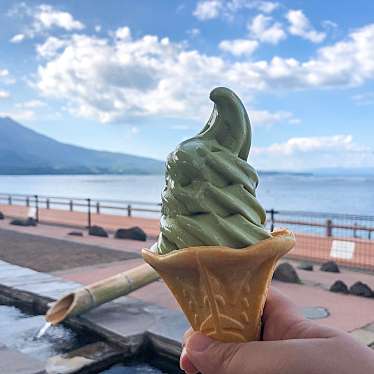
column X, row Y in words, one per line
column 347, row 238
column 87, row 205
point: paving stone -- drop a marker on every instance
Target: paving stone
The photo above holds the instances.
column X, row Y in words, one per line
column 14, row 362
column 315, row 312
column 363, row 336
column 167, row 333
column 125, row 324
column 33, row 281
column 126, row 321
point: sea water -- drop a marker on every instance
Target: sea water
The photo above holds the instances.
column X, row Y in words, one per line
column 352, row 195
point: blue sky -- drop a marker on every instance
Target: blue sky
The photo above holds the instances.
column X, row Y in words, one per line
column 135, row 76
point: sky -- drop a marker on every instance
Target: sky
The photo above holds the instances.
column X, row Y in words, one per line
column 135, row 76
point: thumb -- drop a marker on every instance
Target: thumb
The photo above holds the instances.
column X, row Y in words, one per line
column 209, row 356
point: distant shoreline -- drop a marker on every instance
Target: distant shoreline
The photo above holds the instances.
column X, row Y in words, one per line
column 142, row 173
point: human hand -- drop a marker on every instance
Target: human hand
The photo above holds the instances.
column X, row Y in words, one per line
column 291, row 345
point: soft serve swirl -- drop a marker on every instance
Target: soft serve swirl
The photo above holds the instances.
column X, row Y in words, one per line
column 210, row 192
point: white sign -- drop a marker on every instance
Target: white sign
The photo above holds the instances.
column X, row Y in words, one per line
column 342, row 249
column 31, row 213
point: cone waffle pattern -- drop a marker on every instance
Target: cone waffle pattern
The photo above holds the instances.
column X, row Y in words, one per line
column 221, row 290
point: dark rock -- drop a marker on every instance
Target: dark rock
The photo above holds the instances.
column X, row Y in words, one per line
column 98, row 231
column 2, row 215
column 75, row 233
column 134, row 233
column 330, row 266
column 24, row 222
column 339, row 287
column 361, row 289
column 286, row 273
column 306, row 266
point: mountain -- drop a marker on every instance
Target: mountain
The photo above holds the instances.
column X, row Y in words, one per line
column 24, row 151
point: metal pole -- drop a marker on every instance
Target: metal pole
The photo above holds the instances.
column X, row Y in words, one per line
column 89, row 212
column 272, row 212
column 36, row 208
column 98, row 207
column 328, row 227
column 129, row 210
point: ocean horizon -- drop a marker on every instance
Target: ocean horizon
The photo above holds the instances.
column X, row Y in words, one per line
column 295, row 192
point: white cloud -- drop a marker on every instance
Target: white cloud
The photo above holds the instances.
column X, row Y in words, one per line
column 42, row 18
column 4, row 72
column 31, row 104
column 98, row 28
column 123, row 33
column 50, row 47
column 264, row 117
column 110, row 79
column 18, row 38
column 262, row 6
column 4, row 94
column 239, row 47
column 193, row 33
column 310, row 152
column 301, row 26
column 207, row 9
column 210, row 9
column 47, row 17
column 264, row 29
column 19, row 115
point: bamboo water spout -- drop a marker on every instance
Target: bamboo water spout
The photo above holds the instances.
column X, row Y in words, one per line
column 93, row 295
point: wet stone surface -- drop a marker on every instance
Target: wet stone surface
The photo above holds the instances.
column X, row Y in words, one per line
column 13, row 362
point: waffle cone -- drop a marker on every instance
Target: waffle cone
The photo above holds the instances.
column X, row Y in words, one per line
column 222, row 291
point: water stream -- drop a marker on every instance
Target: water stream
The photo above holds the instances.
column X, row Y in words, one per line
column 43, row 330
column 22, row 332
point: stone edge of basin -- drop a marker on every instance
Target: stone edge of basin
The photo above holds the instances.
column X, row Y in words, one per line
column 126, row 322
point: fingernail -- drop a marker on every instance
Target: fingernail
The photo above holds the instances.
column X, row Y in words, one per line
column 185, row 363
column 198, row 342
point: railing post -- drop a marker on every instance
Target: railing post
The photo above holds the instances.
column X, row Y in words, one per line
column 27, row 201
column 328, row 227
column 89, row 213
column 9, row 200
column 36, row 208
column 129, row 210
column 47, row 203
column 71, row 205
column 355, row 230
column 272, row 212
column 98, row 207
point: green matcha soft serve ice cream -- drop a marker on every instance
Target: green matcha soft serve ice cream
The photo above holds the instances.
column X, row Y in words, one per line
column 210, row 194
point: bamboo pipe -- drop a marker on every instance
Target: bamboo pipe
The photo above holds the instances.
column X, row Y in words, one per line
column 95, row 294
